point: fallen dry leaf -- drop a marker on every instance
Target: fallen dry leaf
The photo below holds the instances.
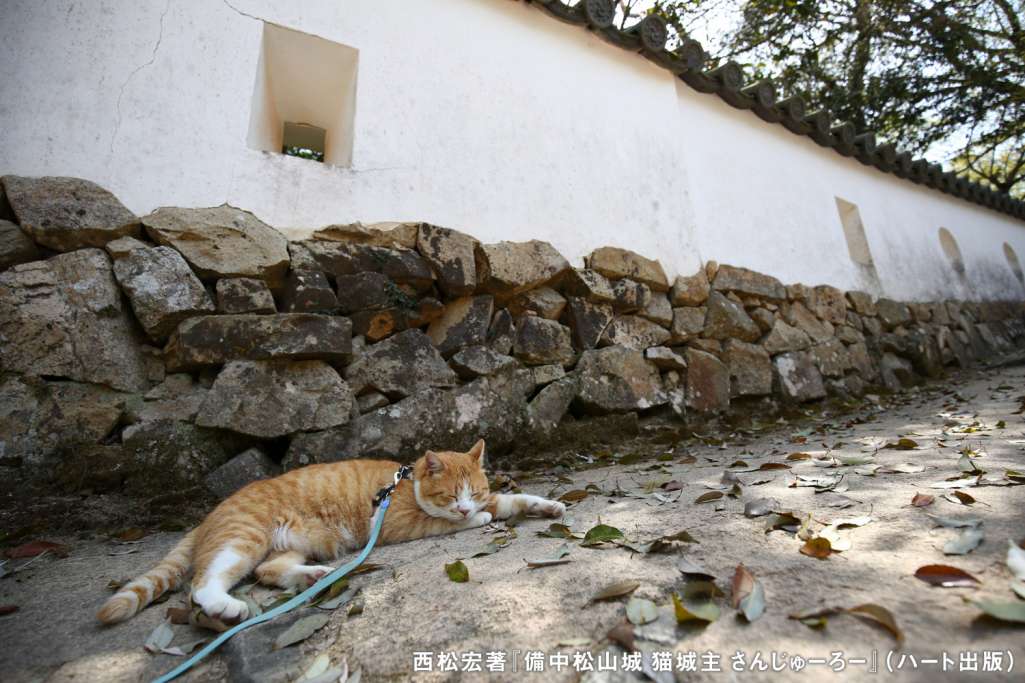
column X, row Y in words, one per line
column 819, row 548
column 34, row 548
column 301, row 630
column 709, row 497
column 574, row 496
column 615, row 590
column 945, row 575
column 457, row 572
column 8, row 609
column 922, row 500
column 747, row 594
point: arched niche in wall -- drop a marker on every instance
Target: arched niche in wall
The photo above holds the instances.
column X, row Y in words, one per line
column 952, row 251
column 1013, row 262
column 857, row 243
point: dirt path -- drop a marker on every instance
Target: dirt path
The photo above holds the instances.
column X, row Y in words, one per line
column 412, row 606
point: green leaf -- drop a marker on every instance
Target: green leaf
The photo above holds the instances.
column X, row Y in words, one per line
column 602, row 533
column 301, row 630
column 1004, row 611
column 457, row 572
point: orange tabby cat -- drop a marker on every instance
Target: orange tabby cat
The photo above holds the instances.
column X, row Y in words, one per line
column 275, row 525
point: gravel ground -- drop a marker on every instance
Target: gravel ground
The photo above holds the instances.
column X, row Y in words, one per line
column 410, row 605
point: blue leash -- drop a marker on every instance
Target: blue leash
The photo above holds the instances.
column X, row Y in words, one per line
column 381, row 502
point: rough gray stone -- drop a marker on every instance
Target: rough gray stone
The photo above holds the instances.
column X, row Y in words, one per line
column 849, row 335
column 690, row 291
column 633, row 332
column 547, row 408
column 390, row 234
column 862, row 363
column 464, row 323
column 168, row 454
column 377, row 325
column 617, row 379
column 728, row 320
column 371, row 401
column 543, row 342
column 708, row 383
column 924, row 353
column 631, row 296
column 665, row 358
column 222, row 242
column 402, row 266
column 587, row 321
column 15, row 246
column 750, row 369
column 369, row 291
column 658, row 310
column 921, row 312
column 893, row 313
column 479, row 360
column 451, row 254
column 543, row 302
column 688, row 323
column 615, row 263
column 245, row 468
column 268, row 399
column 543, row 375
column 763, row 318
column 218, row 339
column 177, row 397
column 744, row 281
column 831, row 357
column 588, row 284
column 162, row 289
column 506, row 269
column 862, row 303
column 796, row 377
column 65, row 214
column 240, row 295
column 64, row 317
column 828, row 303
column 800, row 317
column 502, row 332
column 123, row 246
column 306, row 289
column 400, row 366
column 895, row 372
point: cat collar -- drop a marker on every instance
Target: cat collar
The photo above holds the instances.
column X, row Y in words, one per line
column 404, row 472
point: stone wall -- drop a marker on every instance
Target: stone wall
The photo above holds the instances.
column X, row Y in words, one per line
column 200, row 346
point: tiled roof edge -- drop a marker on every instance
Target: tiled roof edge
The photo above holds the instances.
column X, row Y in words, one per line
column 648, row 38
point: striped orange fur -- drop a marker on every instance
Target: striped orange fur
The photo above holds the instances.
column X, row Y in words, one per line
column 274, row 526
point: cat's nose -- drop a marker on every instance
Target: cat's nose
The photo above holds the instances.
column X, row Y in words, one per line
column 464, row 510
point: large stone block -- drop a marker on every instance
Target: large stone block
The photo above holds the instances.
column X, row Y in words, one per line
column 688, row 324
column 15, row 246
column 690, row 291
column 587, row 321
column 218, row 339
column 588, row 284
column 390, row 234
column 168, row 454
column 66, row 214
column 893, row 313
column 796, row 377
column 618, row 379
column 376, row 325
column 798, row 315
column 403, row 266
column 544, row 302
column 245, row 468
column 631, row 296
column 831, row 358
column 750, row 369
column 728, row 320
column 633, row 332
column 828, row 303
column 268, row 399
column 744, row 281
column 222, row 241
column 708, row 383
column 658, row 310
column 64, row 317
column 506, row 269
column 464, row 323
column 162, row 289
column 895, row 372
column 615, row 263
column 451, row 254
column 400, row 366
column 241, row 295
column 862, row 303
column 478, row 361
column 543, row 342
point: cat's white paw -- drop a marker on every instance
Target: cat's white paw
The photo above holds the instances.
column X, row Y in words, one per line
column 547, row 508
column 310, row 574
column 480, row 519
column 225, row 608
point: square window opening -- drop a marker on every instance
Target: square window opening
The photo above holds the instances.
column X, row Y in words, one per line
column 303, row 140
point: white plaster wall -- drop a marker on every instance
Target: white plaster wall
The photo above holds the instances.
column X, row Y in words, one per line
column 481, row 115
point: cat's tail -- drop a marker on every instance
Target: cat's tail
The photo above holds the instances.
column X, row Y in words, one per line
column 143, row 590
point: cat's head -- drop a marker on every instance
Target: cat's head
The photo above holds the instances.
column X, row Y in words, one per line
column 451, row 485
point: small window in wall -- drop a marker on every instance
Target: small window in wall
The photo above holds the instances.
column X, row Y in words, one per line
column 304, row 100
column 952, row 251
column 1012, row 260
column 303, row 140
column 854, row 231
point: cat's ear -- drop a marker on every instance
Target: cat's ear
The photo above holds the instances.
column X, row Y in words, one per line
column 433, row 462
column 477, row 453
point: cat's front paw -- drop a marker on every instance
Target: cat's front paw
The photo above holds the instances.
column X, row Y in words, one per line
column 479, row 519
column 547, row 508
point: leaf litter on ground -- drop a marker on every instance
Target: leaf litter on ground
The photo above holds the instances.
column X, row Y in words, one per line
column 872, row 612
column 747, row 595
